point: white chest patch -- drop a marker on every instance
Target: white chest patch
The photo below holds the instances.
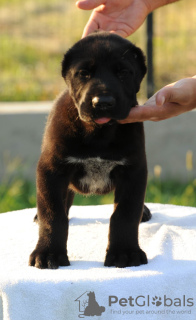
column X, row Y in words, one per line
column 97, row 172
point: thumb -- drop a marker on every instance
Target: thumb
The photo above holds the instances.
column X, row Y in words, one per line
column 89, row 4
column 169, row 94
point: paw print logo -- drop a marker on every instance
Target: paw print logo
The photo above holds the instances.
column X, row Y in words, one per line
column 156, row 301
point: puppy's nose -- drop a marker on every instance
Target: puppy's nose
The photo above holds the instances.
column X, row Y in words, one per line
column 103, row 102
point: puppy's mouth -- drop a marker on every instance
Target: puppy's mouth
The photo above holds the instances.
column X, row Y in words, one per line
column 102, row 120
column 102, row 116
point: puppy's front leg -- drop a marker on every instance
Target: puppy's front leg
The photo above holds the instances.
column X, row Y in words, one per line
column 123, row 249
column 53, row 197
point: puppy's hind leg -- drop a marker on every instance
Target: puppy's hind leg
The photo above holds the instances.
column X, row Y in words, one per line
column 147, row 215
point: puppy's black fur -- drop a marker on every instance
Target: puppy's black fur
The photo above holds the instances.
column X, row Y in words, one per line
column 86, row 150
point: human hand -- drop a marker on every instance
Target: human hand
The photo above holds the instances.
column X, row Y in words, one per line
column 121, row 17
column 174, row 99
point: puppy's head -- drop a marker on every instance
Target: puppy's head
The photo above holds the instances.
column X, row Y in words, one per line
column 103, row 72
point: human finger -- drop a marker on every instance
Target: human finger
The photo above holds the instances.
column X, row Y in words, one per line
column 91, row 26
column 139, row 114
column 177, row 92
column 89, row 4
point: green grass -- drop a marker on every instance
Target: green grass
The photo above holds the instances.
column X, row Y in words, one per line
column 33, row 80
column 35, row 34
column 17, row 193
column 172, row 192
column 34, row 37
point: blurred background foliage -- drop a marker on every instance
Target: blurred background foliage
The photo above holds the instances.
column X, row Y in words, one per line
column 34, row 35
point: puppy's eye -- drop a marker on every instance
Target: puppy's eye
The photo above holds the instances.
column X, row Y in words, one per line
column 85, row 74
column 123, row 72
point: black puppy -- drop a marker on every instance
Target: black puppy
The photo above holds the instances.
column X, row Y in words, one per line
column 86, row 150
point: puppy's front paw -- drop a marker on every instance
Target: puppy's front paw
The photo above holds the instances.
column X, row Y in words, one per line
column 125, row 259
column 48, row 260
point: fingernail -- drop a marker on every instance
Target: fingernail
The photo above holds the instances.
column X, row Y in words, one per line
column 162, row 100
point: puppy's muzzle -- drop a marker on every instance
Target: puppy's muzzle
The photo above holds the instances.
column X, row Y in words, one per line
column 103, row 102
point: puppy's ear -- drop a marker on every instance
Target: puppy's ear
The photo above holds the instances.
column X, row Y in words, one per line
column 141, row 61
column 140, row 65
column 66, row 63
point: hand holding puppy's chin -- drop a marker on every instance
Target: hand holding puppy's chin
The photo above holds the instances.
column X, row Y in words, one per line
column 170, row 101
column 135, row 115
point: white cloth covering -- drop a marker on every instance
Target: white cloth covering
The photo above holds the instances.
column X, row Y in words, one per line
column 165, row 288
